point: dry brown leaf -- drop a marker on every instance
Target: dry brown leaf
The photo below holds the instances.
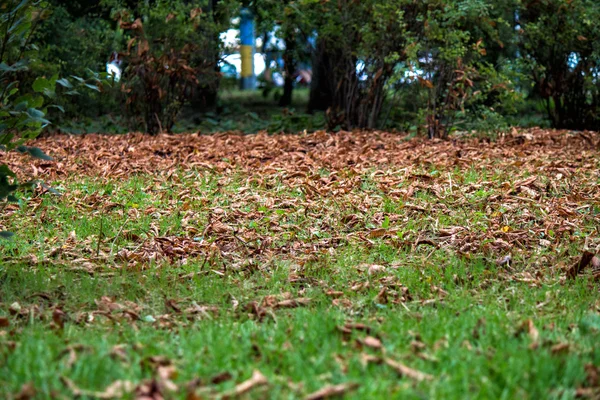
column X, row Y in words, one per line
column 403, row 370
column 560, row 348
column 578, row 268
column 119, row 352
column 115, row 390
column 529, row 327
column 27, row 392
column 257, row 379
column 293, row 303
column 332, row 391
column 370, row 358
column 375, row 269
column 377, row 233
column 525, row 182
column 593, row 375
column 596, row 263
column 220, row 378
column 349, row 327
column 4, row 322
column 165, row 374
column 372, row 342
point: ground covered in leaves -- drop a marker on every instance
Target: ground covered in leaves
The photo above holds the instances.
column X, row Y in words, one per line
column 362, row 264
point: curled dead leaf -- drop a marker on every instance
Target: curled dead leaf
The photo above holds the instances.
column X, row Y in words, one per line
column 220, row 378
column 529, row 327
column 504, row 261
column 576, row 269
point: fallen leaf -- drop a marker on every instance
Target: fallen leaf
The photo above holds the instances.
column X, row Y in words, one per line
column 220, row 378
column 332, row 391
column 593, row 375
column 293, row 303
column 372, row 342
column 257, row 379
column 502, row 261
column 375, row 269
column 349, row 327
column 578, row 268
column 4, row 322
column 14, row 308
column 119, row 352
column 59, row 317
column 560, row 348
column 403, row 370
column 27, row 392
column 117, row 389
column 377, row 233
column 529, row 327
column 596, row 263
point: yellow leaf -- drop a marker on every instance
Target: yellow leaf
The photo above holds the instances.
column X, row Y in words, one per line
column 505, row 228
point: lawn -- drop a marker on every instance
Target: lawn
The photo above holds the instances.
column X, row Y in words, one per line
column 362, row 265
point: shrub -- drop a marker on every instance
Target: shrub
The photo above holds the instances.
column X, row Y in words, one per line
column 78, row 45
column 450, row 53
column 172, row 53
column 560, row 44
column 22, row 113
column 359, row 45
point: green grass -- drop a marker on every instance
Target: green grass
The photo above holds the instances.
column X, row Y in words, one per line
column 470, row 337
column 253, row 111
column 453, row 314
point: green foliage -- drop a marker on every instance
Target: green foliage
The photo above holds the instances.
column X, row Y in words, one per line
column 78, row 46
column 458, row 77
column 432, row 65
column 172, row 51
column 22, row 112
column 560, row 42
column 359, row 46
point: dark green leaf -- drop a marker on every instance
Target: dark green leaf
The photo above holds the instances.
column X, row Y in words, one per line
column 6, row 234
column 41, row 84
column 93, row 87
column 34, row 152
column 57, row 107
column 50, row 189
column 5, row 171
column 64, row 82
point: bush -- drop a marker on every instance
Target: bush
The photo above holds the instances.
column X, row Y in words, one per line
column 77, row 46
column 22, row 111
column 172, row 53
column 560, row 44
column 359, row 45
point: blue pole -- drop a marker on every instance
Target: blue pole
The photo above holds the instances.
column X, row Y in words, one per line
column 247, row 50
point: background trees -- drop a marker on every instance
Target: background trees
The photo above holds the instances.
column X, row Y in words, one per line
column 433, row 66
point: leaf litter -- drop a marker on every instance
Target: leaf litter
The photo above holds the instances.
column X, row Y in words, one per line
column 533, row 191
column 552, row 192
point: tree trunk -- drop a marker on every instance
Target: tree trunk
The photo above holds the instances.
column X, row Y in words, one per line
column 289, row 70
column 321, row 91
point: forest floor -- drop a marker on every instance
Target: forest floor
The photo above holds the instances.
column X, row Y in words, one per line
column 365, row 265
